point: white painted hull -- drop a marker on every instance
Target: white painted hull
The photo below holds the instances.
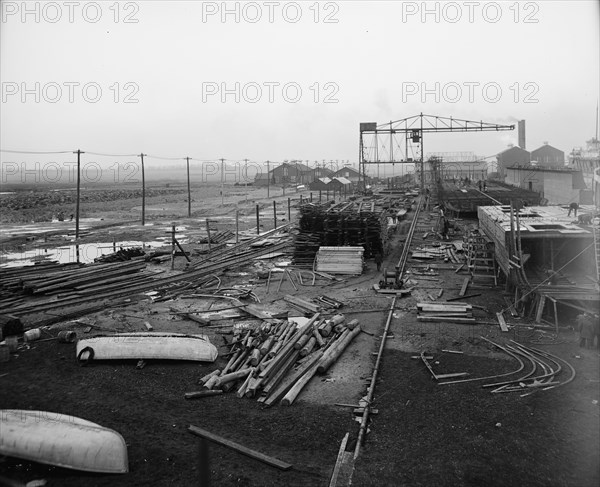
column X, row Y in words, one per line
column 61, row 440
column 147, row 346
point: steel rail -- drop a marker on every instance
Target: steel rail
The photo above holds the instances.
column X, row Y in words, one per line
column 406, row 249
column 544, row 379
column 525, row 377
column 473, row 379
column 553, row 358
column 573, row 372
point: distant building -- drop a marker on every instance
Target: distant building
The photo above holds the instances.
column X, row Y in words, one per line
column 513, row 156
column 285, row 174
column 349, row 173
column 319, row 184
column 548, row 156
column 334, row 185
column 288, row 173
column 556, row 186
column 262, row 179
column 319, row 172
column 446, row 171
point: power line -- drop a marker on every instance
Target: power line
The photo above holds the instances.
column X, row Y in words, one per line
column 166, row 158
column 34, row 152
column 112, row 155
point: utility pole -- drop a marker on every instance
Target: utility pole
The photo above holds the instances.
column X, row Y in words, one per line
column 246, row 178
column 222, row 170
column 189, row 190
column 268, row 181
column 143, row 191
column 78, row 152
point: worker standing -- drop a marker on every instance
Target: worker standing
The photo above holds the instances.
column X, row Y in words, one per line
column 573, row 207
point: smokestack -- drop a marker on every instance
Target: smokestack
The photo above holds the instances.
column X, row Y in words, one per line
column 522, row 134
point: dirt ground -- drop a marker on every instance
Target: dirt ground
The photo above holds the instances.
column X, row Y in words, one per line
column 423, row 433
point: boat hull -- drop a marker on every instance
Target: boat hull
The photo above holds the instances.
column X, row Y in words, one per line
column 147, row 346
column 62, row 440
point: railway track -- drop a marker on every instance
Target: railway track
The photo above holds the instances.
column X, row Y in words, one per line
column 400, row 268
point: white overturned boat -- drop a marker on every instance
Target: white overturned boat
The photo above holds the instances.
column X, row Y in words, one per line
column 61, row 440
column 147, row 345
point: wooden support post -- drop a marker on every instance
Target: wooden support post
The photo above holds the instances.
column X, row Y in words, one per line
column 182, row 251
column 257, row 220
column 274, row 214
column 463, row 289
column 290, row 208
column 311, row 196
column 556, row 313
column 540, row 309
column 208, row 235
column 172, row 247
column 237, row 226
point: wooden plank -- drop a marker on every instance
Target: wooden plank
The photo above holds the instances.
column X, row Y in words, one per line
column 339, row 461
column 435, row 319
column 540, row 309
column 464, row 297
column 274, row 462
column 502, row 322
column 200, row 394
column 463, row 289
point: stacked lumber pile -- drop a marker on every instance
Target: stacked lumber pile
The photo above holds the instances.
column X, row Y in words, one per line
column 448, row 253
column 217, row 237
column 247, row 250
column 340, row 260
column 357, row 223
column 445, row 312
column 275, row 361
column 121, row 255
column 85, row 279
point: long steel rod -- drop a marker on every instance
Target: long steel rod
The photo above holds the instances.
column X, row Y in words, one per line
column 473, row 379
column 365, row 417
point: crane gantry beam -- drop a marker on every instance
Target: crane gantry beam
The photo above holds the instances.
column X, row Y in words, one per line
column 412, row 129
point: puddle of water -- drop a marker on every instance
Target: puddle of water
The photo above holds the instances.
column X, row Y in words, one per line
column 68, row 253
column 21, row 229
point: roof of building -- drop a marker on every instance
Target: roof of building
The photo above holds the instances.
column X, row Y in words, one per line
column 346, row 168
column 342, row 180
column 514, row 147
column 547, row 148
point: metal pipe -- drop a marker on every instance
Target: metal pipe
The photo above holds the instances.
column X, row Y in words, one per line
column 365, row 418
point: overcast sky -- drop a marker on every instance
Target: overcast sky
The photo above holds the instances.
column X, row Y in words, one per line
column 127, row 77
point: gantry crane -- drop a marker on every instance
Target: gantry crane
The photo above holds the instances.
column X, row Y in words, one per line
column 411, row 129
